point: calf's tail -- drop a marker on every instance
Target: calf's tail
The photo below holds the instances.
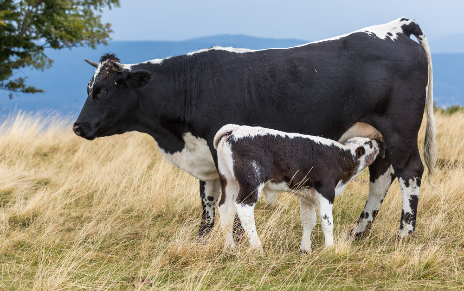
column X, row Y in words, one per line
column 225, row 130
column 430, row 142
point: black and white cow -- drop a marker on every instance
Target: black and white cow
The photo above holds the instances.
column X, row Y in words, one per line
column 376, row 76
column 255, row 159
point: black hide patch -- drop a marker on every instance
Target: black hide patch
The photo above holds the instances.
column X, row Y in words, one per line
column 107, row 69
column 300, row 162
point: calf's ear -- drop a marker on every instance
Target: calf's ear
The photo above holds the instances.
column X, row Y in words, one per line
column 138, row 79
column 382, row 148
column 360, row 151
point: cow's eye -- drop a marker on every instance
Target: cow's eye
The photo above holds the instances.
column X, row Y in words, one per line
column 102, row 92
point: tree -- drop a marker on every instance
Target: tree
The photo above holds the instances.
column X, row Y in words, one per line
column 28, row 27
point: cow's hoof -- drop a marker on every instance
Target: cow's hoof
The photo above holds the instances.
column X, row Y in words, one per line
column 202, row 240
column 357, row 235
column 405, row 236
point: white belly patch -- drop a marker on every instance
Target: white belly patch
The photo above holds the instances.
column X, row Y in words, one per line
column 195, row 158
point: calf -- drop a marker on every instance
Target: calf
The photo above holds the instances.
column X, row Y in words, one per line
column 252, row 159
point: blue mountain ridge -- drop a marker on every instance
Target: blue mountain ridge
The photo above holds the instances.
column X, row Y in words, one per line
column 66, row 82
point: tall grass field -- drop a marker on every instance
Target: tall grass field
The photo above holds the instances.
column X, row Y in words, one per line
column 111, row 214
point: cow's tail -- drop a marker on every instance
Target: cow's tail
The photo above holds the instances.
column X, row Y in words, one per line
column 224, row 131
column 430, row 142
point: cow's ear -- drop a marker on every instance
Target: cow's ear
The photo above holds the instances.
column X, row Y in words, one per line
column 360, row 151
column 138, row 79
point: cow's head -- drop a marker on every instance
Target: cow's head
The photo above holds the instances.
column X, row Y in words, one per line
column 111, row 99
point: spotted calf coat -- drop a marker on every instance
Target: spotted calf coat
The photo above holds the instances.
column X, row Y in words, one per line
column 252, row 159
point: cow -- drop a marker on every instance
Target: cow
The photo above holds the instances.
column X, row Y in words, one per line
column 375, row 76
column 255, row 159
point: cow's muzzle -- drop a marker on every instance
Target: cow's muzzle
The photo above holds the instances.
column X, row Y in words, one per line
column 77, row 129
column 83, row 129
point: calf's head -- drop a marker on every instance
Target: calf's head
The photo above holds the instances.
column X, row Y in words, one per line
column 111, row 99
column 366, row 150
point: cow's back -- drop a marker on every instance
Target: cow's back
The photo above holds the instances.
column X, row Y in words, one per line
column 321, row 88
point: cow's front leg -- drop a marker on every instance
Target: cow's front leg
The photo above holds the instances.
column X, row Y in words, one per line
column 381, row 177
column 209, row 192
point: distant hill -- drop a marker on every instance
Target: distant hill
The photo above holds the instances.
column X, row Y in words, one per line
column 450, row 44
column 448, row 74
column 65, row 83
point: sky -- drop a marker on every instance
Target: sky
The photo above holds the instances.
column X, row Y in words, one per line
column 306, row 20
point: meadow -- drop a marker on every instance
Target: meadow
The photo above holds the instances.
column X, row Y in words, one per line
column 111, row 214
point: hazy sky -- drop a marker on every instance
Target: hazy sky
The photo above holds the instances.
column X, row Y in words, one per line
column 306, row 20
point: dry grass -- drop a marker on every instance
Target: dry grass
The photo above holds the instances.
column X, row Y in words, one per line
column 112, row 214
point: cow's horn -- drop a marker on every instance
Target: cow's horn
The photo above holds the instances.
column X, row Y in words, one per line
column 117, row 66
column 94, row 64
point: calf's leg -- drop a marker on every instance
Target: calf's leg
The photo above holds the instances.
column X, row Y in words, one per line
column 270, row 195
column 308, row 221
column 325, row 197
column 227, row 210
column 246, row 213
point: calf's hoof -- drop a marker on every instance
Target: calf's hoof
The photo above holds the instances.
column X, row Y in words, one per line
column 204, row 233
column 305, row 252
column 258, row 250
column 329, row 247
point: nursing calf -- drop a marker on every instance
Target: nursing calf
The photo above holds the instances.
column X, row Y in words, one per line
column 255, row 159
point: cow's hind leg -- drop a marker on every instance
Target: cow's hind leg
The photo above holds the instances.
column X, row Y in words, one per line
column 410, row 181
column 381, row 176
column 404, row 154
column 209, row 192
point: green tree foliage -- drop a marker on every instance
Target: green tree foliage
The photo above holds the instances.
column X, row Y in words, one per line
column 28, row 27
column 451, row 110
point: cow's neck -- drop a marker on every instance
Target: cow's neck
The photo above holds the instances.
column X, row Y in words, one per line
column 165, row 111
